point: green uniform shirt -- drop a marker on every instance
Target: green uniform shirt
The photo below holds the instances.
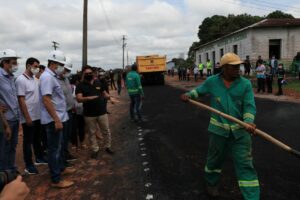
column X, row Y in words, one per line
column 133, row 83
column 237, row 101
column 200, row 66
column 209, row 65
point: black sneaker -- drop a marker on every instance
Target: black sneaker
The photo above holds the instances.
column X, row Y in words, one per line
column 109, row 151
column 31, row 170
column 94, row 155
column 41, row 161
column 70, row 157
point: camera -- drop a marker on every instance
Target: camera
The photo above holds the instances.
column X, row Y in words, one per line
column 6, row 177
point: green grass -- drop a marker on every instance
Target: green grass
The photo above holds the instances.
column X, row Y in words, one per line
column 293, row 84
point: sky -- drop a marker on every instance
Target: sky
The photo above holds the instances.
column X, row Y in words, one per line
column 165, row 27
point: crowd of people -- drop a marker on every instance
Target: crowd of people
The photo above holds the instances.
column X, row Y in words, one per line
column 55, row 109
column 266, row 72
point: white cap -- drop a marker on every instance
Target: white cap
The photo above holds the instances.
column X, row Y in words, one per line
column 68, row 64
column 57, row 56
column 8, row 53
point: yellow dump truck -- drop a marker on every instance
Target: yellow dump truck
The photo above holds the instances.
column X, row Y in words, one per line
column 152, row 69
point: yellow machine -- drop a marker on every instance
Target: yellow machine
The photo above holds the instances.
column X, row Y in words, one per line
column 152, row 68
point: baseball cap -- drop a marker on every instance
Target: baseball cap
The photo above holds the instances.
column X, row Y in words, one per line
column 231, row 59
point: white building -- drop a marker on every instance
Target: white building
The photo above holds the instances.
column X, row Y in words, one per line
column 279, row 37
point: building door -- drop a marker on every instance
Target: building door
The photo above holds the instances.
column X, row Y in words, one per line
column 275, row 48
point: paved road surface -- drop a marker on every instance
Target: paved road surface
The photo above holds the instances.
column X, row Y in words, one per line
column 176, row 138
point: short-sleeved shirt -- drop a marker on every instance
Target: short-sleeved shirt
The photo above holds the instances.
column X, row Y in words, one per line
column 28, row 87
column 67, row 89
column 95, row 107
column 49, row 85
column 8, row 95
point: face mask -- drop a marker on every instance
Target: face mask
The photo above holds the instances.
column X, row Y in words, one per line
column 35, row 71
column 59, row 70
column 67, row 75
column 88, row 77
column 14, row 68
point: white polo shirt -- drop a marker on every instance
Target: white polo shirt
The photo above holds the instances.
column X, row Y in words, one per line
column 29, row 88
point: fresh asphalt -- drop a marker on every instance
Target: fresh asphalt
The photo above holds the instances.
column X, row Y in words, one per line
column 176, row 138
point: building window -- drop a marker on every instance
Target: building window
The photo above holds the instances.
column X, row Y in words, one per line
column 207, row 57
column 221, row 53
column 213, row 58
column 275, row 48
column 235, row 49
column 200, row 59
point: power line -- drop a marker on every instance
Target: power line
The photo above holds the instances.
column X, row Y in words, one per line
column 251, row 6
column 267, row 4
column 108, row 22
column 278, row 4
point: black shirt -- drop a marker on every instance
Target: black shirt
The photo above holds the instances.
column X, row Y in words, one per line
column 95, row 107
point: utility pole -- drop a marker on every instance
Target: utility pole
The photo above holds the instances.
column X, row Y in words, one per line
column 123, row 47
column 127, row 57
column 84, row 39
column 55, row 45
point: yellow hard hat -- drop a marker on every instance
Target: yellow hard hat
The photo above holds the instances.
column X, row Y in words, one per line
column 230, row 59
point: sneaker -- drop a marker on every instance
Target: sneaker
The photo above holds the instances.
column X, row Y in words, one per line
column 70, row 157
column 94, row 155
column 31, row 170
column 62, row 184
column 41, row 161
column 109, row 151
column 212, row 191
column 68, row 170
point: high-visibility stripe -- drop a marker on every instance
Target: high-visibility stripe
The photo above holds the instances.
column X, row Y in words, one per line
column 224, row 125
column 194, row 94
column 235, row 127
column 132, row 90
column 212, row 170
column 251, row 183
column 248, row 115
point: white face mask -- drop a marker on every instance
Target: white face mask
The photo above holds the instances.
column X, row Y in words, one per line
column 67, row 75
column 14, row 68
column 34, row 71
column 59, row 70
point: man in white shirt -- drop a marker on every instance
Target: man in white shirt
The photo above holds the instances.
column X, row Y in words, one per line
column 196, row 72
column 29, row 102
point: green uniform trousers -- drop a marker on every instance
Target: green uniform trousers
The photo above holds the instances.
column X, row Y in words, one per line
column 240, row 150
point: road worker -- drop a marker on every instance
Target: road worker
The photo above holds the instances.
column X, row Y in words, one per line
column 208, row 67
column 135, row 92
column 201, row 69
column 232, row 94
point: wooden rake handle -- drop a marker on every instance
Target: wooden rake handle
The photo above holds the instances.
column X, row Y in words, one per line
column 260, row 133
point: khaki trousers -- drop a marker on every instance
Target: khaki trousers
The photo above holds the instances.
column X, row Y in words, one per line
column 92, row 124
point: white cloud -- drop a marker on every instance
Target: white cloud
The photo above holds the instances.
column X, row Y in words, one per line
column 152, row 27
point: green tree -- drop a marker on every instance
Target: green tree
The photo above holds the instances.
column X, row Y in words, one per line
column 279, row 14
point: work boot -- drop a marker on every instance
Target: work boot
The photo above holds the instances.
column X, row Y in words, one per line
column 62, row 184
column 212, row 191
column 94, row 155
column 68, row 170
column 109, row 151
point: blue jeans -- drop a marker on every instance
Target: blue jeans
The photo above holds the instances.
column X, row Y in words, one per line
column 55, row 152
column 8, row 147
column 135, row 106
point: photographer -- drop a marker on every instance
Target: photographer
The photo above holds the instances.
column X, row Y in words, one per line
column 15, row 190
